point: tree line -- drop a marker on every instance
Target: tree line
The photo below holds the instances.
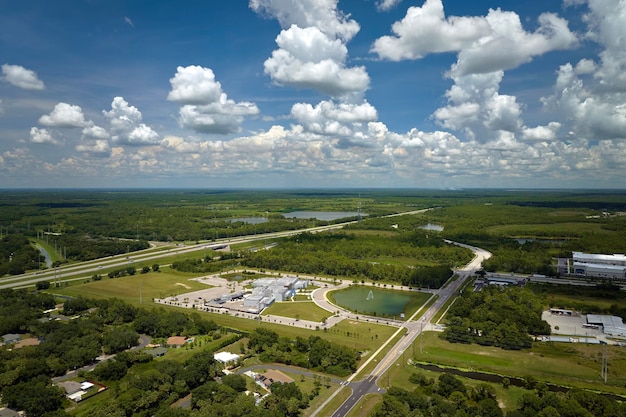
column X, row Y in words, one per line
column 312, row 353
column 427, row 261
column 17, row 255
column 104, row 326
column 494, row 316
column 448, row 396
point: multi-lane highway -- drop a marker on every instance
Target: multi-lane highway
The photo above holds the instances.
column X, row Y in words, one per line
column 412, row 328
column 83, row 270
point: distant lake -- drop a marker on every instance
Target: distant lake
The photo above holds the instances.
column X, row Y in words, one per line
column 433, row 227
column 322, row 215
column 249, row 220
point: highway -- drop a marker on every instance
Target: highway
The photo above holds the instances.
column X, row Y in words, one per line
column 85, row 270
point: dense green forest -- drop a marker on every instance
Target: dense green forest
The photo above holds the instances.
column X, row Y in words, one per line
column 140, row 385
column 17, row 255
column 526, row 236
column 448, row 396
column 314, row 352
column 494, row 316
column 420, row 260
column 525, row 230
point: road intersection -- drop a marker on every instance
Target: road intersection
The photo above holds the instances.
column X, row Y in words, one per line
column 411, row 328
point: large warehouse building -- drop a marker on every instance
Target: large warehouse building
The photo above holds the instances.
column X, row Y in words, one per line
column 595, row 265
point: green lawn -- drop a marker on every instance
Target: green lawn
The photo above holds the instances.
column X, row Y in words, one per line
column 401, row 371
column 304, row 310
column 151, row 285
column 559, row 363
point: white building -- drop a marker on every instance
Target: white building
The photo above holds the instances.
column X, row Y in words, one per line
column 267, row 290
column 598, row 265
column 611, row 325
column 226, row 357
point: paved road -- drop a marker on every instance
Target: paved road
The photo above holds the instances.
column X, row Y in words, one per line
column 85, row 270
column 413, row 329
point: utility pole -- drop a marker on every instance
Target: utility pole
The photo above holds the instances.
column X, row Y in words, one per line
column 605, row 364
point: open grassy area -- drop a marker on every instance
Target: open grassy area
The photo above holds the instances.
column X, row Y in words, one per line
column 401, row 371
column 578, row 303
column 559, row 363
column 151, row 285
column 548, row 229
column 365, row 337
column 304, row 310
column 307, row 385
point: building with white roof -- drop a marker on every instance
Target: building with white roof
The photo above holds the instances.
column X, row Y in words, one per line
column 267, row 290
column 596, row 265
column 226, row 357
column 611, row 325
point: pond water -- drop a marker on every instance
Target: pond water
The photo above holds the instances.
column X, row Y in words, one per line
column 372, row 300
column 249, row 220
column 322, row 215
column 521, row 241
column 45, row 255
column 433, row 227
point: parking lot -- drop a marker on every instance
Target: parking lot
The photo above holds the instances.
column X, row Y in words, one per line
column 570, row 325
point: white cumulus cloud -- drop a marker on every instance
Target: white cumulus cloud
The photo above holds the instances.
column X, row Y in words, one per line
column 590, row 95
column 95, row 132
column 330, row 118
column 509, row 45
column 385, row 5
column 38, row 135
column 322, row 14
column 308, row 58
column 143, row 135
column 541, row 133
column 96, row 148
column 64, row 115
column 194, row 85
column 426, row 30
column 21, row 77
column 312, row 47
column 206, row 108
column 484, row 43
column 126, row 126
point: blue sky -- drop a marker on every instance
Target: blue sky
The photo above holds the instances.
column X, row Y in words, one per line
column 313, row 93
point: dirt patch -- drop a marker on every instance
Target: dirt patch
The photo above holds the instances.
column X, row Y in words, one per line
column 183, row 285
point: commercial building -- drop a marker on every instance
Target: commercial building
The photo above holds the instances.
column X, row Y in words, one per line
column 594, row 265
column 267, row 290
column 611, row 325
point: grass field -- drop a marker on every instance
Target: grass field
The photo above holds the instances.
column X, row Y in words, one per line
column 579, row 303
column 555, row 230
column 559, row 363
column 151, row 285
column 401, row 371
column 304, row 310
